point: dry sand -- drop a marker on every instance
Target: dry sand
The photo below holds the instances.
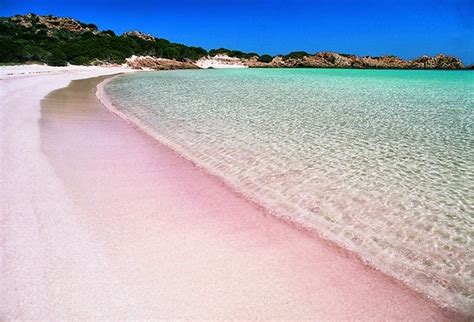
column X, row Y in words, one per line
column 99, row 221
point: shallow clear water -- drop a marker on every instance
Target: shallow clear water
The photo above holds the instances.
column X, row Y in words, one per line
column 381, row 162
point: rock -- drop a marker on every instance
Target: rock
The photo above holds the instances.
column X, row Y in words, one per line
column 139, row 34
column 440, row 61
column 335, row 60
column 53, row 24
column 151, row 62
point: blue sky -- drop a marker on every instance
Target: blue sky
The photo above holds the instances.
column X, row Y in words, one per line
column 404, row 28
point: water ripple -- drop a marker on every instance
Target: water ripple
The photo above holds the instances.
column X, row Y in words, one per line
column 381, row 162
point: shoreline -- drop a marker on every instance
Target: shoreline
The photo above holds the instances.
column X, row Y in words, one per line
column 35, row 69
column 105, row 100
column 209, row 223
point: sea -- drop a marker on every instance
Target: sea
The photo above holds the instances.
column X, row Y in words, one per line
column 380, row 162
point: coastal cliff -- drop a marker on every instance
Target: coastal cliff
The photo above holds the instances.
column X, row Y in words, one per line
column 59, row 41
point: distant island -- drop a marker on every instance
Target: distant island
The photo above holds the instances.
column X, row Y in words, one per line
column 58, row 41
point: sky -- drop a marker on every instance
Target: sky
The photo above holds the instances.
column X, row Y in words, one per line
column 404, row 28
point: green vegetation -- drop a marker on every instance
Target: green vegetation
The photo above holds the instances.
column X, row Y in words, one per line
column 29, row 38
column 265, row 58
column 296, row 54
column 346, row 55
column 231, row 53
column 59, row 41
column 57, row 58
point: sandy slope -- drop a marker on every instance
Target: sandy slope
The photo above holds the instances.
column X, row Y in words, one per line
column 100, row 221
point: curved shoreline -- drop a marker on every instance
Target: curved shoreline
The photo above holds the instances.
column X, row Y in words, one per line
column 100, row 221
column 106, row 101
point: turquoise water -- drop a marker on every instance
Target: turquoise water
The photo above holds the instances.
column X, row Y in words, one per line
column 380, row 162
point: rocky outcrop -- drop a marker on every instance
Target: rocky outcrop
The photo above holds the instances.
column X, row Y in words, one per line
column 155, row 63
column 438, row 62
column 139, row 34
column 52, row 24
column 335, row 60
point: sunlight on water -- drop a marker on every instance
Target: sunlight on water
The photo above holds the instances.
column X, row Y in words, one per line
column 381, row 162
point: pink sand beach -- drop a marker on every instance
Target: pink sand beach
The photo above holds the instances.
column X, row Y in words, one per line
column 100, row 221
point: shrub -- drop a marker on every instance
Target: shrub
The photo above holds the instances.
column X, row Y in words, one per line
column 296, row 54
column 265, row 58
column 109, row 32
column 231, row 53
column 80, row 60
column 10, row 51
column 59, row 46
column 57, row 58
column 91, row 26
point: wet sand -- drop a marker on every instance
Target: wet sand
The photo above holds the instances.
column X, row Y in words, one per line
column 123, row 227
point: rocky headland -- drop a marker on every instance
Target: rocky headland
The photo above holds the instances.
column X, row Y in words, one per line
column 335, row 60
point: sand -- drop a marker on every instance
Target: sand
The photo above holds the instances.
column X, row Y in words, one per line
column 219, row 62
column 99, row 221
